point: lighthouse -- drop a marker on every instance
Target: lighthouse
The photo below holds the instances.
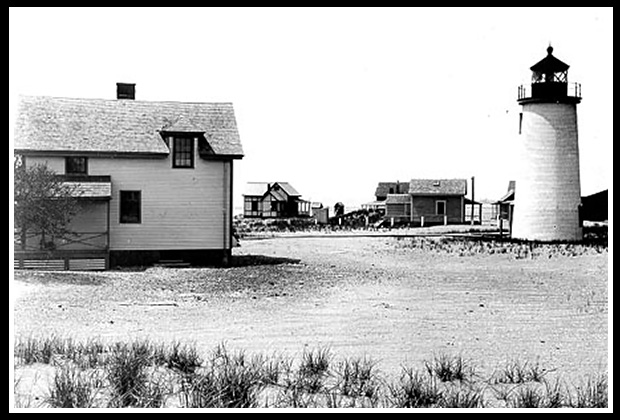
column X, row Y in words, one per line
column 548, row 193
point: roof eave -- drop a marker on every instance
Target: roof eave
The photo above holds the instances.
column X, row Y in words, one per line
column 221, row 157
column 443, row 194
column 90, row 153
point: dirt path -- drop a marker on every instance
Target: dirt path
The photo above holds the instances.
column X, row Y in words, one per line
column 359, row 296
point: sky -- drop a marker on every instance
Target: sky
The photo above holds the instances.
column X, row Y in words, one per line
column 334, row 101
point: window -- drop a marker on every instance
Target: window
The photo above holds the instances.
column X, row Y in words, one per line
column 183, row 152
column 440, row 207
column 76, row 166
column 131, row 203
column 254, row 204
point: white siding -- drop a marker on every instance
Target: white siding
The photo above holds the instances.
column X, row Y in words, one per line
column 181, row 208
column 548, row 190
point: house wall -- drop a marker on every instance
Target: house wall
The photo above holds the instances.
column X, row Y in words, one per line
column 426, row 206
column 182, row 209
column 398, row 210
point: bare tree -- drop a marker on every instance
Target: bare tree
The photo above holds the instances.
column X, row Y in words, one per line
column 43, row 204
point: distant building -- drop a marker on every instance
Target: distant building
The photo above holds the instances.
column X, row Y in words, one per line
column 594, row 207
column 427, row 201
column 276, row 199
column 386, row 188
column 503, row 205
column 320, row 213
column 382, row 192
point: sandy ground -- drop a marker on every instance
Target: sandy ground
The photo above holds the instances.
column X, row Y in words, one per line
column 359, row 296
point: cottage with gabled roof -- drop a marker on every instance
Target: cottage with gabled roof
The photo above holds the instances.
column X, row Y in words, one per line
column 273, row 199
column 428, row 202
column 156, row 177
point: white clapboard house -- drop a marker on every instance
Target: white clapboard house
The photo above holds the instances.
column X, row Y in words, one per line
column 155, row 179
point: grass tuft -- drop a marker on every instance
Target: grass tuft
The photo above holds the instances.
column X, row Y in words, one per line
column 358, row 377
column 449, row 368
column 516, row 372
column 71, row 388
column 142, row 374
column 592, row 394
column 414, row 390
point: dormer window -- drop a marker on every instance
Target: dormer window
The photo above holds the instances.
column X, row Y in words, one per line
column 182, row 152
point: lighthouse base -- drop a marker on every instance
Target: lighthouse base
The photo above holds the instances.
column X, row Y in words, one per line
column 548, row 193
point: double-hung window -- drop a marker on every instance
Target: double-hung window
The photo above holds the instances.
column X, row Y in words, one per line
column 183, row 152
column 131, row 206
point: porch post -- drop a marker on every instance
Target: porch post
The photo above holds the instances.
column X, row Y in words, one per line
column 107, row 254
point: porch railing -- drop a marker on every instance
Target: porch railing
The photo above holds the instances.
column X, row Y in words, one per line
column 73, row 241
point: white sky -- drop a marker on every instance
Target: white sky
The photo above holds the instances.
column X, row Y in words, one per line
column 335, row 100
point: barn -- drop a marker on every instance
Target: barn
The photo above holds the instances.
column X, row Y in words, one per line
column 156, row 178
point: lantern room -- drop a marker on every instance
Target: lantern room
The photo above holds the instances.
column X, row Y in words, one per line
column 550, row 82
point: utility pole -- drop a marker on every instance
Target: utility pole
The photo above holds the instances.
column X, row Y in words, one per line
column 472, row 200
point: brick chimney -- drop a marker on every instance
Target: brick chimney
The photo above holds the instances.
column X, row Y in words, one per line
column 126, row 91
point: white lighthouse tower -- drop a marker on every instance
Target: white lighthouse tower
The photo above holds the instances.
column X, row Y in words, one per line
column 548, row 192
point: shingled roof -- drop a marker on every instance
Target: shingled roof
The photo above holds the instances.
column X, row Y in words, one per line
column 438, row 187
column 50, row 124
column 383, row 188
column 259, row 189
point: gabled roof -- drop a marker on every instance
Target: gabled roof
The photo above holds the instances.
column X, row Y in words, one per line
column 255, row 189
column 438, row 187
column 50, row 124
column 278, row 194
column 259, row 189
column 383, row 189
column 510, row 193
column 288, row 188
